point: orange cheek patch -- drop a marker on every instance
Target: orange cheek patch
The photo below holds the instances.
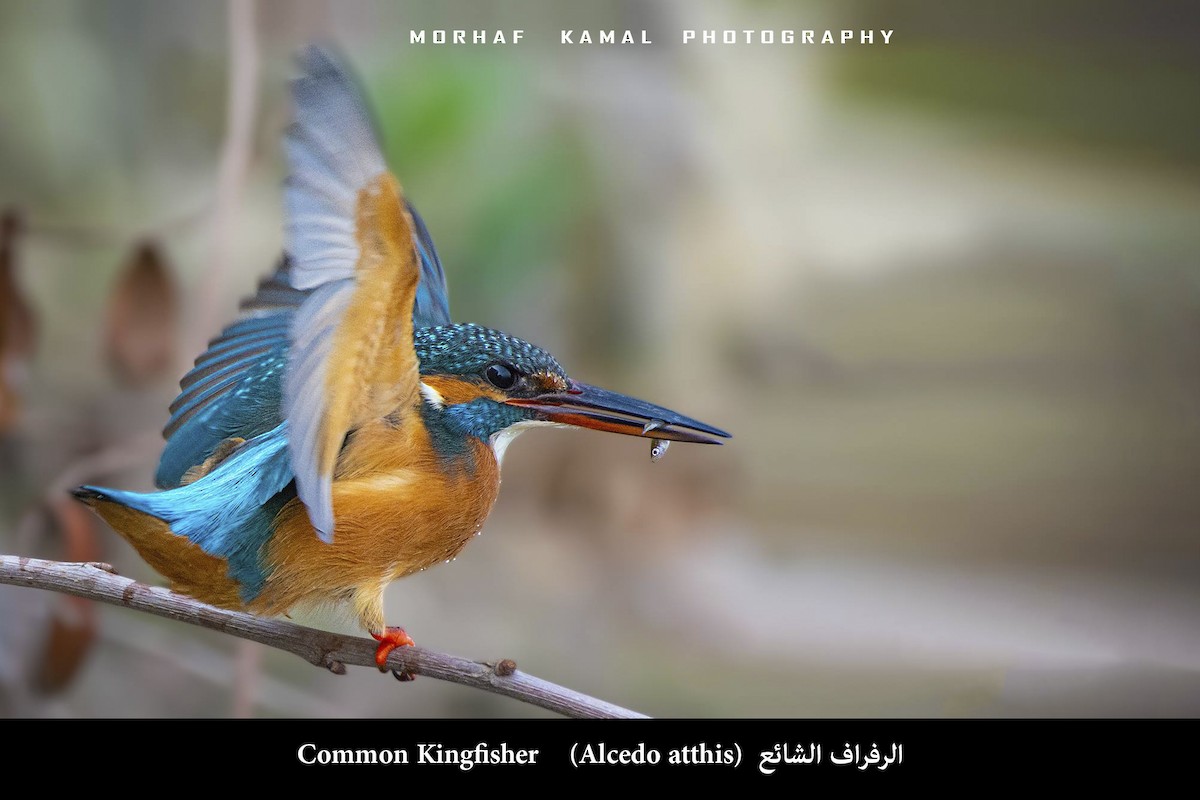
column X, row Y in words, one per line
column 456, row 390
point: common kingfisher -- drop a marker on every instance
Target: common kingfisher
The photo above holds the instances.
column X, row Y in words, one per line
column 342, row 432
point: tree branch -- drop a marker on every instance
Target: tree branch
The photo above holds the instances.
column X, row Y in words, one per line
column 321, row 648
column 233, row 168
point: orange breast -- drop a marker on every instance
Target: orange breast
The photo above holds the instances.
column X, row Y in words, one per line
column 399, row 508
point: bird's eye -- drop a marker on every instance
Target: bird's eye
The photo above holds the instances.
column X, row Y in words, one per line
column 501, row 376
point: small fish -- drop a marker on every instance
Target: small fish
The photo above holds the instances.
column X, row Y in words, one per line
column 658, row 448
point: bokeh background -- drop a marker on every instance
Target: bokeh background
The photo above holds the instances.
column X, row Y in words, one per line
column 945, row 293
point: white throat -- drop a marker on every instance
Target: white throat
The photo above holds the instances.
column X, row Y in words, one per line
column 501, row 440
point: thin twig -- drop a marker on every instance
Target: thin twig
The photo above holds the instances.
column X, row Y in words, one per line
column 321, row 648
column 233, row 168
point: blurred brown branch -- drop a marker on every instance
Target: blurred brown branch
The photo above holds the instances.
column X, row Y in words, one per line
column 232, row 171
column 321, row 648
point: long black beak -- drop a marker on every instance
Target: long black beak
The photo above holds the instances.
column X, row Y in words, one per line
column 592, row 407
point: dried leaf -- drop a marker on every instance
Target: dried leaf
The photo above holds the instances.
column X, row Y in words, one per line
column 73, row 625
column 18, row 325
column 68, row 643
column 10, row 404
column 140, row 329
column 77, row 530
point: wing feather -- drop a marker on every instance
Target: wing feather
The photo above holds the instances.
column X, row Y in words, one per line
column 354, row 247
column 326, row 341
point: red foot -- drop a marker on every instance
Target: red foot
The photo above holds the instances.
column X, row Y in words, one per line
column 389, row 640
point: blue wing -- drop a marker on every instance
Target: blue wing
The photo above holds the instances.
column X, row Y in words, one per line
column 238, row 386
column 432, row 304
column 235, row 387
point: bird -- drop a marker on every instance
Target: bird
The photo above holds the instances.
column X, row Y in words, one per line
column 343, row 432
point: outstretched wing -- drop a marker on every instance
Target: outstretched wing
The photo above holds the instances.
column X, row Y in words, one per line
column 236, row 388
column 350, row 237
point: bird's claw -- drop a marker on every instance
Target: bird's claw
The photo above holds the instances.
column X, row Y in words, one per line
column 389, row 640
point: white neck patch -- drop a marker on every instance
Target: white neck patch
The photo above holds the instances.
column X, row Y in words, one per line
column 501, row 440
column 432, row 395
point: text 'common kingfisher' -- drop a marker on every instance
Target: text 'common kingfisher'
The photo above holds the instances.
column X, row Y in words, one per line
column 343, row 432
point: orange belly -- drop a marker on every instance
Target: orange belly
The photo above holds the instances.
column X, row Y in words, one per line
column 399, row 509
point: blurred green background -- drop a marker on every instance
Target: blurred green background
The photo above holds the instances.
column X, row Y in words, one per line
column 945, row 293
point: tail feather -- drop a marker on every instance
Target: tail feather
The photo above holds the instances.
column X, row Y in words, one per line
column 87, row 495
column 208, row 536
column 189, row 569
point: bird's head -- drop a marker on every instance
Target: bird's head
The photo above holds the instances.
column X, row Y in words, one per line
column 490, row 385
